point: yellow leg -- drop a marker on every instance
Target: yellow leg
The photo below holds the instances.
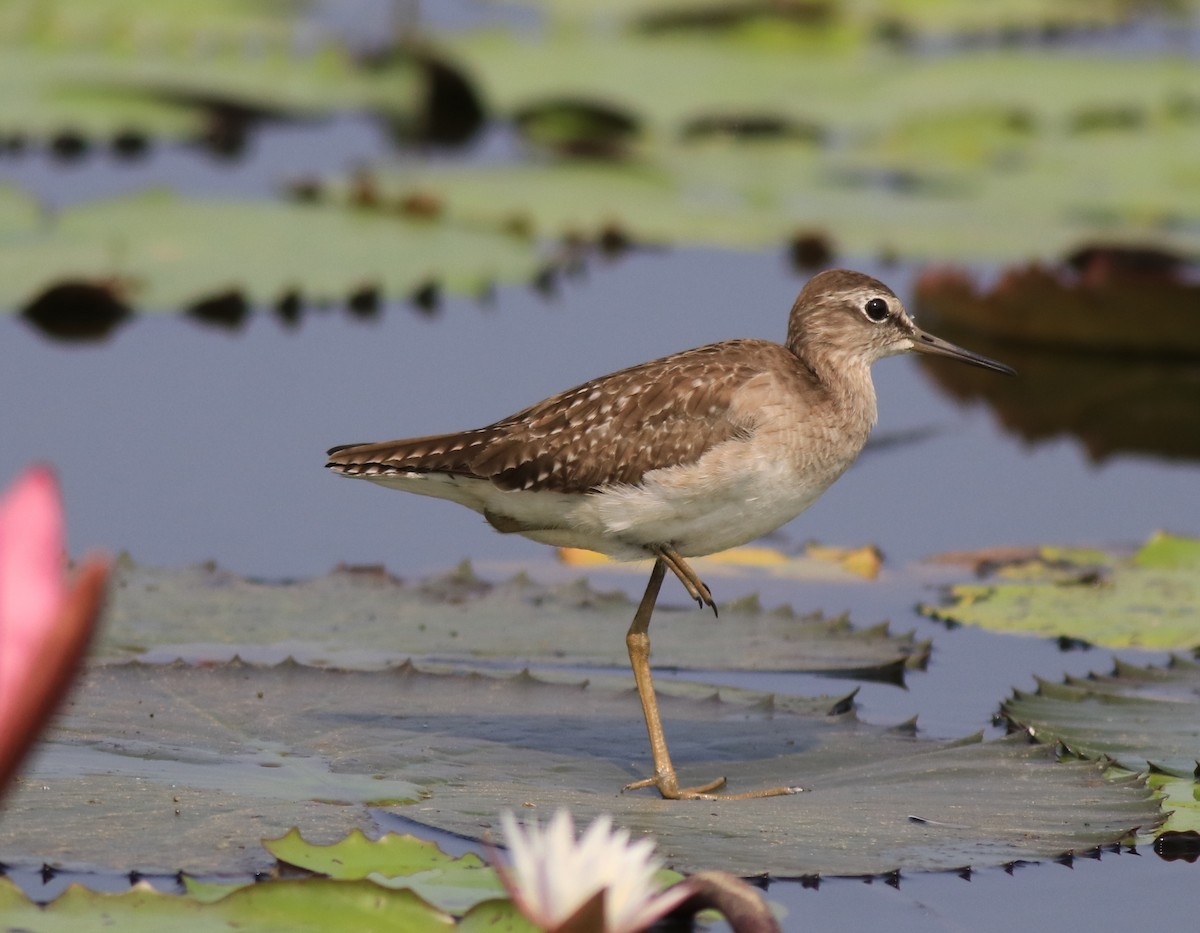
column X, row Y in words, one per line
column 637, row 640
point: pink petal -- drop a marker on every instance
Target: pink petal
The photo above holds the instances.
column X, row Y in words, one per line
column 31, row 578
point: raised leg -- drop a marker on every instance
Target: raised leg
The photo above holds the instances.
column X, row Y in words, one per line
column 637, row 640
column 696, row 588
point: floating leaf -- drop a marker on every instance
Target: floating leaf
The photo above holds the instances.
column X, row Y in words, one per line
column 928, row 145
column 1140, row 717
column 311, row 905
column 107, row 67
column 1043, row 190
column 396, row 861
column 1151, row 600
column 1181, row 801
column 234, row 749
column 369, row 619
column 941, row 19
column 173, row 251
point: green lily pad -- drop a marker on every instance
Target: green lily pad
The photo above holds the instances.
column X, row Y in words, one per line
column 927, row 18
column 395, row 861
column 889, row 190
column 167, row 251
column 115, row 65
column 1142, row 718
column 370, row 619
column 456, row 885
column 173, row 767
column 310, row 904
column 670, row 78
column 1180, row 800
column 928, row 145
column 1169, row 552
column 355, row 857
column 1150, row 600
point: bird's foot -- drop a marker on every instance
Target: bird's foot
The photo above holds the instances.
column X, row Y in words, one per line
column 696, row 588
column 668, row 785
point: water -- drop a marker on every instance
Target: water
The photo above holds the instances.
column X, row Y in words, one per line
column 180, row 443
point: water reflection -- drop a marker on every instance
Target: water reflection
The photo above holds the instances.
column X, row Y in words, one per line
column 1112, row 404
column 78, row 311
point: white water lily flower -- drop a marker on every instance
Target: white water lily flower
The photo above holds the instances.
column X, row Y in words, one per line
column 554, row 878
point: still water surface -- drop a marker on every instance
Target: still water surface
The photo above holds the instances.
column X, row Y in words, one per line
column 178, row 442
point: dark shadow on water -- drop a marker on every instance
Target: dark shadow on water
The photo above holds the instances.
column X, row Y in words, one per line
column 1112, row 404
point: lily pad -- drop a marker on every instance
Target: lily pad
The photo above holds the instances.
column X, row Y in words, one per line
column 311, row 904
column 110, row 66
column 140, row 754
column 369, row 619
column 1149, row 600
column 1142, row 718
column 903, row 18
column 397, row 862
column 1181, row 801
column 168, row 251
column 927, row 145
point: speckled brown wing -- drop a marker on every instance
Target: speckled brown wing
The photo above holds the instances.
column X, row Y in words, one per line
column 610, row 430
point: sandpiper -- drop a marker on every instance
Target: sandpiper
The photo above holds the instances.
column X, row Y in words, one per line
column 679, row 457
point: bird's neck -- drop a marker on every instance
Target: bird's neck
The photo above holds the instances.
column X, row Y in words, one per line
column 846, row 378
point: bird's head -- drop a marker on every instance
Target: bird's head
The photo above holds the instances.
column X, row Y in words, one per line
column 843, row 319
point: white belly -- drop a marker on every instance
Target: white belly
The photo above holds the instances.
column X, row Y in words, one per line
column 698, row 509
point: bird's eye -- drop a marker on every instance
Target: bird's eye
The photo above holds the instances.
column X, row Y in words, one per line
column 876, row 309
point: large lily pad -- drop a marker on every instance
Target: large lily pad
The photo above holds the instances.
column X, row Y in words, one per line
column 902, row 18
column 311, row 904
column 398, row 862
column 1140, row 717
column 166, row 251
column 114, row 65
column 875, row 195
column 368, row 619
column 168, row 767
column 926, row 145
column 1149, row 600
column 926, row 148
